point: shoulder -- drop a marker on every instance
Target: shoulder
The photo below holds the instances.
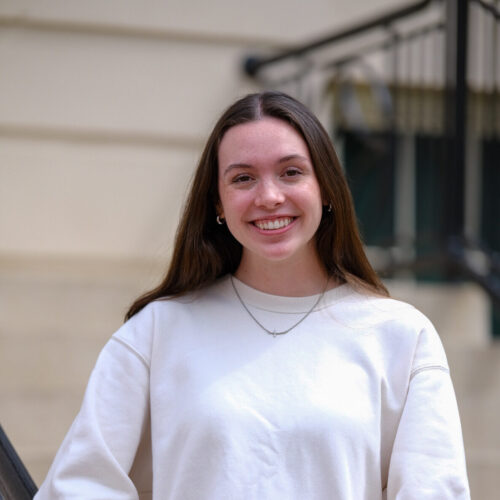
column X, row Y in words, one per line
column 398, row 326
column 170, row 314
column 366, row 309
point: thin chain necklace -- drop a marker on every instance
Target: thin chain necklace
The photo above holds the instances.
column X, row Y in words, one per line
column 274, row 332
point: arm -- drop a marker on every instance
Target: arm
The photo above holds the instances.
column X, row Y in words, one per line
column 98, row 452
column 427, row 460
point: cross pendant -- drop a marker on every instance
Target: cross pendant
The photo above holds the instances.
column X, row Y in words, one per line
column 274, row 333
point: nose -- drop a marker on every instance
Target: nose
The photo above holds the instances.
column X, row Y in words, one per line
column 269, row 194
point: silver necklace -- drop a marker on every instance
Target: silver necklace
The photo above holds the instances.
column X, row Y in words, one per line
column 274, row 332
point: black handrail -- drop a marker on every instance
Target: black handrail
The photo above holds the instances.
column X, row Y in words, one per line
column 253, row 64
column 386, row 44
column 488, row 7
column 15, row 481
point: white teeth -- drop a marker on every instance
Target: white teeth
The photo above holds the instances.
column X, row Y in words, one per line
column 275, row 224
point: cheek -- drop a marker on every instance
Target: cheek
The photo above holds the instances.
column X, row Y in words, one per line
column 310, row 196
column 231, row 204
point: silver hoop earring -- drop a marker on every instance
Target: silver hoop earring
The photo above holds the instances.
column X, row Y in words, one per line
column 219, row 220
column 329, row 208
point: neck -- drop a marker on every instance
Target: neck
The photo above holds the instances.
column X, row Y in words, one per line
column 298, row 279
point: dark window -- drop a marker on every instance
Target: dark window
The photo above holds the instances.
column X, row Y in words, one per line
column 369, row 166
column 490, row 207
column 430, row 186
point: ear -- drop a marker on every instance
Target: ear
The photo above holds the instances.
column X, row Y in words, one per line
column 324, row 199
column 218, row 209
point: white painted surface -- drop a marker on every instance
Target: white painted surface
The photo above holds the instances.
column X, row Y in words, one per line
column 292, row 21
column 95, row 82
column 87, row 200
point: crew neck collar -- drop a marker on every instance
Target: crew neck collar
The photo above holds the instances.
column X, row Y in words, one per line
column 278, row 303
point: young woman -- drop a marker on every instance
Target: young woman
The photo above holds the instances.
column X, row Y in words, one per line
column 270, row 362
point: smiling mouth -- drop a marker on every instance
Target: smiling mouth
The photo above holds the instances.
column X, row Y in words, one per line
column 269, row 225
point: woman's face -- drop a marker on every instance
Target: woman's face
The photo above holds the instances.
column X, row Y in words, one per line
column 268, row 191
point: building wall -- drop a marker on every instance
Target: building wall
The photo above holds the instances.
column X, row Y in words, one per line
column 104, row 107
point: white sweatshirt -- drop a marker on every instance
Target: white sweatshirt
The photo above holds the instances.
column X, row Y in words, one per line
column 192, row 400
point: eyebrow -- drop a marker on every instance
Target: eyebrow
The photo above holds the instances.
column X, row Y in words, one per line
column 284, row 159
column 292, row 157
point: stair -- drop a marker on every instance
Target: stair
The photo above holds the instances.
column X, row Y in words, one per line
column 55, row 317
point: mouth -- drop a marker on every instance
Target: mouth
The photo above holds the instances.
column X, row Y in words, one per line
column 271, row 225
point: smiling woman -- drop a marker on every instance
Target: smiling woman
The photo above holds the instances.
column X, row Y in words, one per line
column 271, row 200
column 269, row 363
column 205, row 250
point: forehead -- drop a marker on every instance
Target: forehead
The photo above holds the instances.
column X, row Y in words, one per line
column 268, row 139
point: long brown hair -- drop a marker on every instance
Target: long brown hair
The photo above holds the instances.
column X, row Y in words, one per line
column 205, row 251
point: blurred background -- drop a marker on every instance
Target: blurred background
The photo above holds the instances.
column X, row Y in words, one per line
column 104, row 108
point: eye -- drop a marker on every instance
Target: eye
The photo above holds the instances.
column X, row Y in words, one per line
column 292, row 172
column 241, row 178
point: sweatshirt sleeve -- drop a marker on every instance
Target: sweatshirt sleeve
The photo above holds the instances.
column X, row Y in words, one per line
column 428, row 460
column 98, row 452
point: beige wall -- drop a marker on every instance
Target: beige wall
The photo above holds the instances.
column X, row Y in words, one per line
column 104, row 107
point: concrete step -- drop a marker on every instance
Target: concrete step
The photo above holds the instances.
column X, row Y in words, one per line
column 36, row 423
column 55, row 317
column 476, row 377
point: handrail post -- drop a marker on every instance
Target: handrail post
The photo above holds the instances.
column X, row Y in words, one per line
column 455, row 120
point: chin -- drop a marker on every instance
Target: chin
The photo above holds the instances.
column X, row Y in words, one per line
column 279, row 255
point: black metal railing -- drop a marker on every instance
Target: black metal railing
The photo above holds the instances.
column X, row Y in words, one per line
column 254, row 64
column 412, row 100
column 15, row 481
